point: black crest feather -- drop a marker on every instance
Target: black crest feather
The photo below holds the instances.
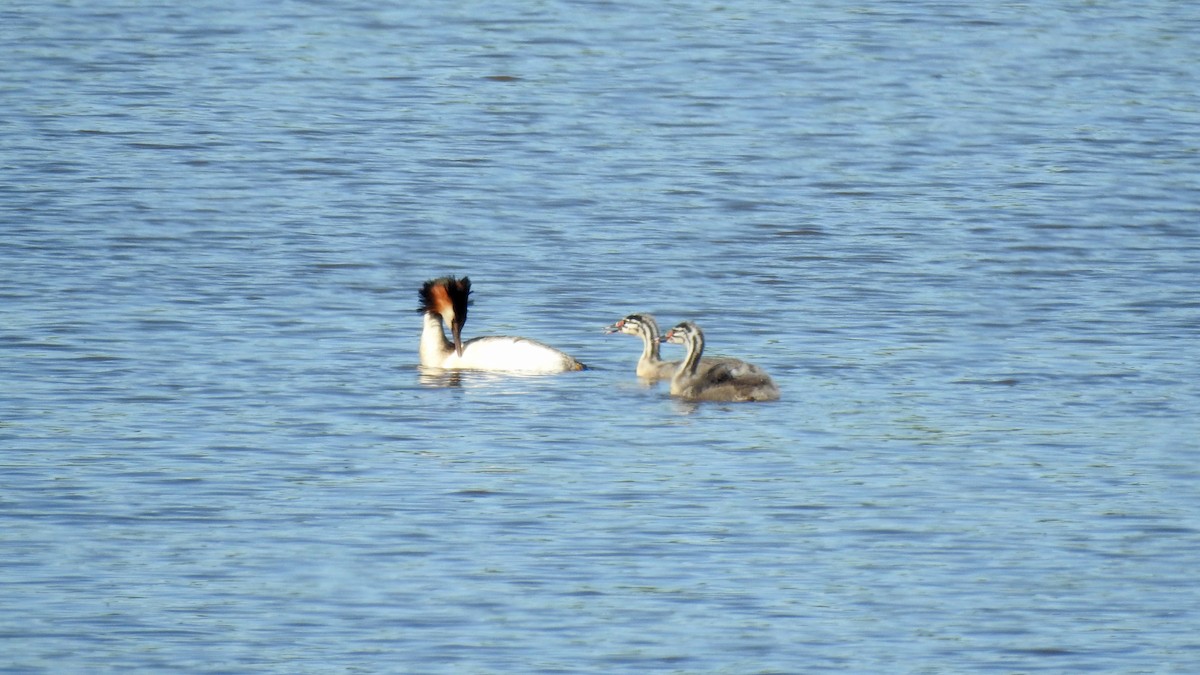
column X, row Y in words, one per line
column 459, row 291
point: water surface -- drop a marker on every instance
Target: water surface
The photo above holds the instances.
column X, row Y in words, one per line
column 962, row 239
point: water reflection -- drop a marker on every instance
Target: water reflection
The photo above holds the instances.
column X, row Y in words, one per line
column 437, row 377
column 443, row 378
column 684, row 407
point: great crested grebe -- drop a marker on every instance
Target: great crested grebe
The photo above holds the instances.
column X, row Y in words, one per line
column 725, row 380
column 444, row 301
column 650, row 366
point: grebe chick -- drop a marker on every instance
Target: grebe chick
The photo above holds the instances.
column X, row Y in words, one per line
column 444, row 301
column 650, row 366
column 725, row 380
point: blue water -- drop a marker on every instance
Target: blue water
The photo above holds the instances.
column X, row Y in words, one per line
column 965, row 241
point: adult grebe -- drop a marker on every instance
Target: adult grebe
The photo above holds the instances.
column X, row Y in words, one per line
column 650, row 366
column 725, row 380
column 444, row 301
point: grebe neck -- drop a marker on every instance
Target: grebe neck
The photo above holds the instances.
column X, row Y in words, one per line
column 649, row 334
column 434, row 345
column 695, row 348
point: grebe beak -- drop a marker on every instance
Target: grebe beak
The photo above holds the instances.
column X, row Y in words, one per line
column 456, row 331
column 667, row 337
column 616, row 327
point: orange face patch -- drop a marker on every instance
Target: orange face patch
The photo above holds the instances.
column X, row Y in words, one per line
column 439, row 300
